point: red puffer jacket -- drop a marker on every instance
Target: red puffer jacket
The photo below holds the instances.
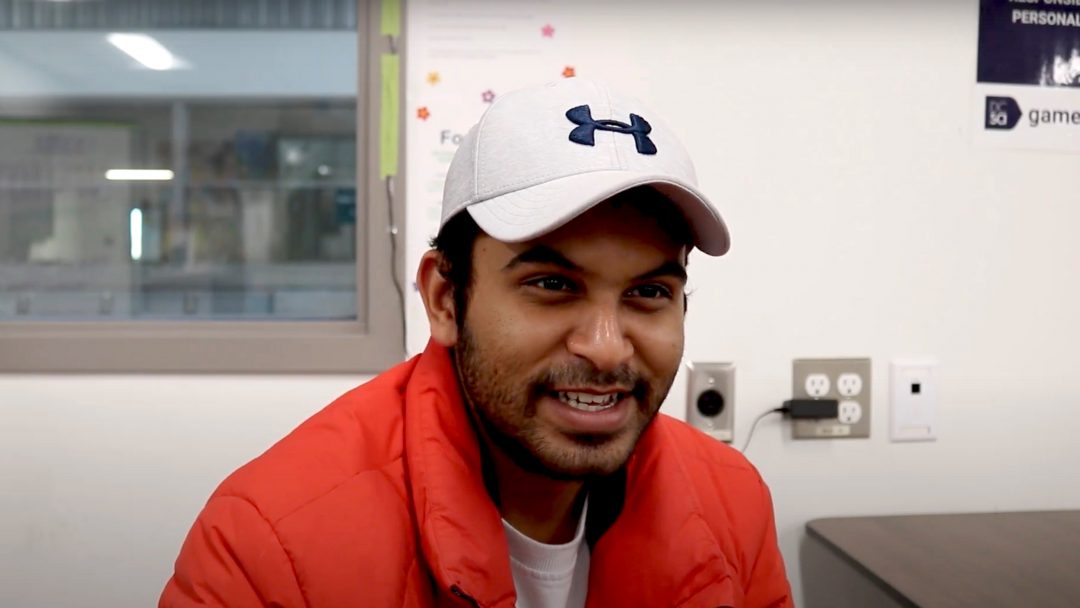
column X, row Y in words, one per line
column 379, row 500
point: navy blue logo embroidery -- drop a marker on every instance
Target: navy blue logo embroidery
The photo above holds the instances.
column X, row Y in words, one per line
column 585, row 132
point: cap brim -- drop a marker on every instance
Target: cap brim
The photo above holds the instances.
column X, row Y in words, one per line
column 531, row 212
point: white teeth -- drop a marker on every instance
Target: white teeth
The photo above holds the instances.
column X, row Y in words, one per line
column 589, row 402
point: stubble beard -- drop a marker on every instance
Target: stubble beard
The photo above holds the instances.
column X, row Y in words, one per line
column 506, row 410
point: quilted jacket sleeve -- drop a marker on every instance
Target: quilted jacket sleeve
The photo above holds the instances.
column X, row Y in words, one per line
column 768, row 586
column 232, row 558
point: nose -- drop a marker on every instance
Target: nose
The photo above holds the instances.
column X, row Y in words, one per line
column 601, row 338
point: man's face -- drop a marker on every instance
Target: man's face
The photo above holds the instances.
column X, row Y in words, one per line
column 571, row 341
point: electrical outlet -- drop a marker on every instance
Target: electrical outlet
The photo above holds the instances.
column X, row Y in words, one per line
column 847, row 381
column 817, row 385
column 849, row 385
column 710, row 399
column 849, row 412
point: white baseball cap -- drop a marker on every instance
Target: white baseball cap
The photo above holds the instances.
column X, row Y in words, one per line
column 540, row 157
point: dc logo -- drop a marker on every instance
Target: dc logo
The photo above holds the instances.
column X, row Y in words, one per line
column 585, row 132
column 1001, row 113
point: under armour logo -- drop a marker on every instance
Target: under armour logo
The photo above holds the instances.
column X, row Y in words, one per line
column 585, row 132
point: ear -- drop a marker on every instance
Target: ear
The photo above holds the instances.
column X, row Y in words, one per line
column 438, row 295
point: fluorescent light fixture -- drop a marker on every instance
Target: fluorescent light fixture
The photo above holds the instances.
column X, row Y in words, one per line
column 141, row 175
column 145, row 50
column 136, row 234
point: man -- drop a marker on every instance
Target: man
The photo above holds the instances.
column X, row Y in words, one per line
column 519, row 461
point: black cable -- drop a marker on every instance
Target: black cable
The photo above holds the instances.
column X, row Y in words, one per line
column 393, row 261
column 779, row 410
column 392, row 40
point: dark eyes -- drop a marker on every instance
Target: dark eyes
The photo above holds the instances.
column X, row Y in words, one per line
column 650, row 291
column 553, row 284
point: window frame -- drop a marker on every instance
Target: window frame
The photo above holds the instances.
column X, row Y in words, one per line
column 366, row 345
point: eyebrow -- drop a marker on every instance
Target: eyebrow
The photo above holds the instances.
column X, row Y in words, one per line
column 670, row 268
column 542, row 254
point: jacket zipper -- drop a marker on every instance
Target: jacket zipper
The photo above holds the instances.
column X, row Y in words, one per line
column 461, row 594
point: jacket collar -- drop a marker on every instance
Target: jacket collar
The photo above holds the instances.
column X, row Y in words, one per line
column 460, row 528
column 661, row 524
column 651, row 518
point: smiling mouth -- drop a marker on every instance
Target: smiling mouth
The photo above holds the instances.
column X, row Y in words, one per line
column 588, row 402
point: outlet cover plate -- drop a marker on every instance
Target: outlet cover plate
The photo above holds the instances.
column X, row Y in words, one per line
column 849, row 382
column 703, row 378
column 913, row 399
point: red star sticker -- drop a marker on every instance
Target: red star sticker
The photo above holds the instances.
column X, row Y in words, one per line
column 422, row 113
column 488, row 96
column 568, row 72
column 547, row 31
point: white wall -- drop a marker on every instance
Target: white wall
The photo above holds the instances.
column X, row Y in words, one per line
column 866, row 223
column 837, row 135
column 102, row 476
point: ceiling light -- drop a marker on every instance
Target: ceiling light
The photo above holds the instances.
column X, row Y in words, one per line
column 124, row 175
column 145, row 50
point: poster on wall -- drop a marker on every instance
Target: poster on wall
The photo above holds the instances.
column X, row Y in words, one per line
column 1028, row 81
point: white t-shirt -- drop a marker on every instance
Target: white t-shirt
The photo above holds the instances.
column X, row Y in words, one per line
column 549, row 576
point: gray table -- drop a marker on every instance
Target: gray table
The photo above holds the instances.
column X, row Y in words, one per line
column 955, row 561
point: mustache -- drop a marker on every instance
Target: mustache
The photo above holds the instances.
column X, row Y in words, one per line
column 585, row 374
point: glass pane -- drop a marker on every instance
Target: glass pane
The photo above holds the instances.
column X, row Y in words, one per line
column 222, row 187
